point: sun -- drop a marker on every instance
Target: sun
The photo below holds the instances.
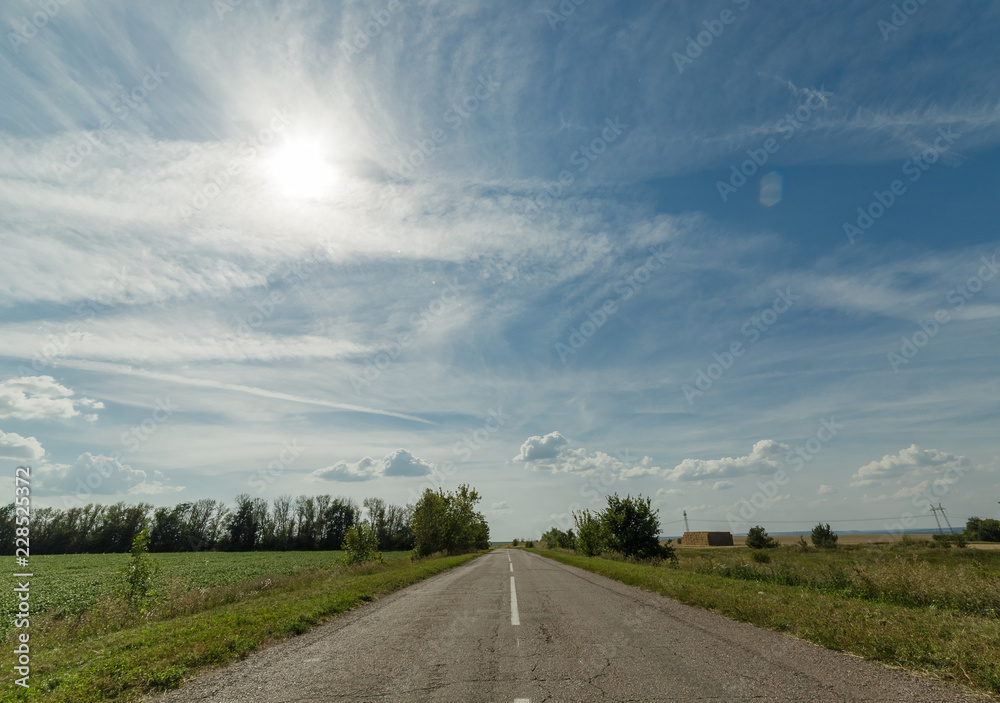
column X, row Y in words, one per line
column 299, row 170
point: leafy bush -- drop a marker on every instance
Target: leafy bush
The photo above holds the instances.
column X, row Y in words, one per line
column 529, row 543
column 515, row 542
column 138, row 579
column 361, row 544
column 823, row 537
column 589, row 533
column 947, row 541
column 760, row 556
column 557, row 538
column 757, row 538
column 632, row 527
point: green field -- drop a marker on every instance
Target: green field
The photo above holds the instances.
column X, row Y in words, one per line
column 932, row 611
column 212, row 608
column 67, row 585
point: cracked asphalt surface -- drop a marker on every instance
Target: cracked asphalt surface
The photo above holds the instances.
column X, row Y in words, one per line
column 581, row 637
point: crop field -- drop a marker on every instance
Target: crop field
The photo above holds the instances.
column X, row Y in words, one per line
column 211, row 608
column 66, row 585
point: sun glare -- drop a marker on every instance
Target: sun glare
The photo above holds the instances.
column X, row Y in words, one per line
column 299, row 170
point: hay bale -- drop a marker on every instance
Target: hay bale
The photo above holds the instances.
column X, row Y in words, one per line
column 707, row 539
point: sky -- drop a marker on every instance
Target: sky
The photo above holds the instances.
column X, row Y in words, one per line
column 739, row 259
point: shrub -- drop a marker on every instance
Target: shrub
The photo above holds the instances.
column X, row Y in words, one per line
column 589, row 533
column 823, row 537
column 557, row 538
column 757, row 538
column 632, row 527
column 802, row 544
column 515, row 542
column 361, row 544
column 529, row 544
column 760, row 556
column 947, row 541
column 138, row 579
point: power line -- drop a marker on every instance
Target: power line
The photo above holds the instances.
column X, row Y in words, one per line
column 795, row 522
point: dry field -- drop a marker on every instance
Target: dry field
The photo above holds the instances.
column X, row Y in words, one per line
column 867, row 538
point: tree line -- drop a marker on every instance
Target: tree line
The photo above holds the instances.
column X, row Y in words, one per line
column 285, row 523
column 439, row 522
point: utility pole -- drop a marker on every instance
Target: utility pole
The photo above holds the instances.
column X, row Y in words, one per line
column 947, row 522
column 935, row 511
column 686, row 528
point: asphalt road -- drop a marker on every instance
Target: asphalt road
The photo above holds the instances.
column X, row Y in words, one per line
column 514, row 627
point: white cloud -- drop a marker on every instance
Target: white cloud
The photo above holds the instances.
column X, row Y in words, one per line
column 825, row 489
column 722, row 485
column 397, row 463
column 537, row 448
column 763, row 458
column 402, row 463
column 41, row 398
column 14, row 446
column 908, row 462
column 96, row 474
column 552, row 453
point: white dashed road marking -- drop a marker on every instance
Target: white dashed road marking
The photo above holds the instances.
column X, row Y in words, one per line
column 515, row 619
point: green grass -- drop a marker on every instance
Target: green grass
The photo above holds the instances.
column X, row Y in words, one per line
column 931, row 611
column 67, row 585
column 209, row 615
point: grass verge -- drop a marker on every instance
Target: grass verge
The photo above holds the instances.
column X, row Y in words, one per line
column 944, row 644
column 124, row 663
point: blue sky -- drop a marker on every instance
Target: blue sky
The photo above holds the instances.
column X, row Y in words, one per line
column 738, row 259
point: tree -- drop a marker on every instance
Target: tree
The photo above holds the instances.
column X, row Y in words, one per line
column 449, row 522
column 823, row 537
column 337, row 519
column 982, row 530
column 557, row 538
column 632, row 528
column 757, row 538
column 361, row 544
column 589, row 533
